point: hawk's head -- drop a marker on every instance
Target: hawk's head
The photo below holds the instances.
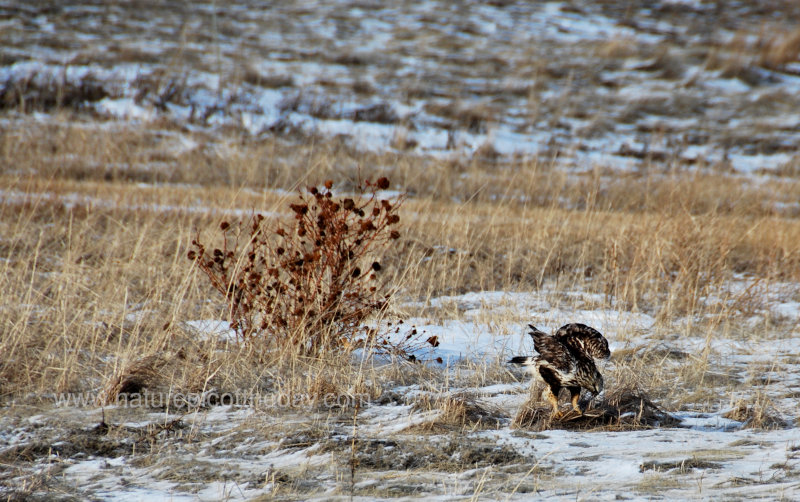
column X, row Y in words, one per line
column 596, row 386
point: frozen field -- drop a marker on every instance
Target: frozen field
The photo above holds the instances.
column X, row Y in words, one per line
column 153, row 113
column 585, row 83
column 414, row 441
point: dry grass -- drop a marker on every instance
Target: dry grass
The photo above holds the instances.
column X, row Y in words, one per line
column 94, row 275
column 459, row 412
column 757, row 412
column 772, row 47
column 96, row 217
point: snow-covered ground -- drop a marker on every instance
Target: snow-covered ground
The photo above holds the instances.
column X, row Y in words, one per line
column 230, row 459
column 245, row 451
column 583, row 84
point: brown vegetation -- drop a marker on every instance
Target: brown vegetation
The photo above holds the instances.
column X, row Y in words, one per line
column 96, row 261
column 98, row 215
column 308, row 287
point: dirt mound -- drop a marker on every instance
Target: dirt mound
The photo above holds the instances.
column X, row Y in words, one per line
column 620, row 410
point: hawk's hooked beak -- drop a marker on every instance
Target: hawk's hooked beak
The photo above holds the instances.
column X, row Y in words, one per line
column 598, row 387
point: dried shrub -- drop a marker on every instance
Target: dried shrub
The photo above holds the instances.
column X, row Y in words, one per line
column 308, row 103
column 45, row 92
column 382, row 113
column 309, row 286
column 160, row 90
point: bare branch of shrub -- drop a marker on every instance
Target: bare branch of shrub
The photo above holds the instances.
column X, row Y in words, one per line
column 310, row 285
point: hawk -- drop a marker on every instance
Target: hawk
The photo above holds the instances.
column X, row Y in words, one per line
column 566, row 360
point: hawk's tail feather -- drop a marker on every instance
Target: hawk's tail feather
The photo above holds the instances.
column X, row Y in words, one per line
column 534, row 331
column 523, row 360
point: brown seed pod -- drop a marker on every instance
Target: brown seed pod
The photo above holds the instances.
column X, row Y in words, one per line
column 299, row 208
